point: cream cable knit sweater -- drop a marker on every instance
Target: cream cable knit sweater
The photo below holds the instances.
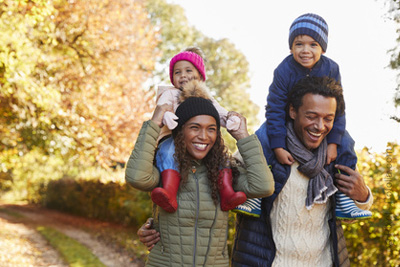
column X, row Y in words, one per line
column 301, row 236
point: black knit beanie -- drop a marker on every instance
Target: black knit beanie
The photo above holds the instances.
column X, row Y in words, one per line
column 192, row 107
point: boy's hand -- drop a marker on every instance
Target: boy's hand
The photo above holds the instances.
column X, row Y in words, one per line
column 148, row 236
column 331, row 153
column 283, row 156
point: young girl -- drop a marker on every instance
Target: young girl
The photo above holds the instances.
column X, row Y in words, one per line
column 196, row 234
column 185, row 67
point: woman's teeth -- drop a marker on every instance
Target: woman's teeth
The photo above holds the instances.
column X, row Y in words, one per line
column 200, row 146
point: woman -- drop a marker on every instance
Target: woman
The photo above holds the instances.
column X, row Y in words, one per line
column 196, row 234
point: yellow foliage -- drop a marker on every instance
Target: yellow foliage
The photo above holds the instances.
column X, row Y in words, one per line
column 375, row 241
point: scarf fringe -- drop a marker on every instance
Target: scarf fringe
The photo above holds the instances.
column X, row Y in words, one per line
column 317, row 199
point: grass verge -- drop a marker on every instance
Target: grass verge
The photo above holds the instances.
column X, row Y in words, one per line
column 11, row 213
column 124, row 237
column 73, row 252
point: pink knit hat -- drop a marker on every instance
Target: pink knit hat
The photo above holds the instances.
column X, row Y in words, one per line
column 193, row 58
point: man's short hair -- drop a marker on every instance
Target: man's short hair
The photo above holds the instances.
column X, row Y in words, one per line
column 324, row 86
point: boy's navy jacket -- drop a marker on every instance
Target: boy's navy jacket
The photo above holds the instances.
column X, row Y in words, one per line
column 286, row 75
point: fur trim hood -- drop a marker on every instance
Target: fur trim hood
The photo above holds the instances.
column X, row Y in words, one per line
column 194, row 88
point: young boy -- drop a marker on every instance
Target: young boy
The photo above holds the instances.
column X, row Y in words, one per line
column 308, row 40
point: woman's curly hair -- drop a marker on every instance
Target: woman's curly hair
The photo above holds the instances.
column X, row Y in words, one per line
column 216, row 159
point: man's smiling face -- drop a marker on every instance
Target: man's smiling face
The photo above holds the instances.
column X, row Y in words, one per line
column 314, row 119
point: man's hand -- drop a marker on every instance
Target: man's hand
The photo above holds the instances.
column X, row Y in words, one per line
column 283, row 156
column 352, row 185
column 148, row 236
column 331, row 153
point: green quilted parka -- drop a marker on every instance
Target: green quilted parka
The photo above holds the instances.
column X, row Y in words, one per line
column 196, row 234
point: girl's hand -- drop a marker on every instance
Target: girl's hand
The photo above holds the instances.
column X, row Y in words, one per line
column 158, row 113
column 241, row 132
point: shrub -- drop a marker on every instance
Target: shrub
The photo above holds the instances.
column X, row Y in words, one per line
column 111, row 201
column 30, row 174
column 376, row 241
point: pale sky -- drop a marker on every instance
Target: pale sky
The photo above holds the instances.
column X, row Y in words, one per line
column 359, row 37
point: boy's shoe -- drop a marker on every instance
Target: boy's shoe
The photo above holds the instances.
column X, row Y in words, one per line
column 347, row 209
column 252, row 207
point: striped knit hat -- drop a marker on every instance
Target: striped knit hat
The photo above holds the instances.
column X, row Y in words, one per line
column 311, row 25
column 193, row 58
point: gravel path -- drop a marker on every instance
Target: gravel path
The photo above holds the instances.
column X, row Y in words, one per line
column 21, row 245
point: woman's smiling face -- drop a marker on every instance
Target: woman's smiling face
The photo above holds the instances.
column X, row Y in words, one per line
column 200, row 133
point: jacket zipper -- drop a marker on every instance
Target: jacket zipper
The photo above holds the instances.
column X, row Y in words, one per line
column 209, row 241
column 226, row 239
column 197, row 214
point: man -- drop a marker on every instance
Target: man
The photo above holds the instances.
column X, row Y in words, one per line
column 297, row 226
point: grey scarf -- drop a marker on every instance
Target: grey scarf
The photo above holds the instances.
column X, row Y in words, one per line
column 311, row 164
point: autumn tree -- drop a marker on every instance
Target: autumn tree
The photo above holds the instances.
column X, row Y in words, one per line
column 227, row 68
column 394, row 13
column 28, row 100
column 75, row 78
column 113, row 46
column 375, row 241
column 72, row 75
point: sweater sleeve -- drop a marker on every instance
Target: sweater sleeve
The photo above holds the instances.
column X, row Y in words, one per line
column 367, row 204
column 275, row 110
column 140, row 171
column 255, row 178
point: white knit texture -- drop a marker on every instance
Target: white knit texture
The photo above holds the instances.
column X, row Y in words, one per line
column 301, row 236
